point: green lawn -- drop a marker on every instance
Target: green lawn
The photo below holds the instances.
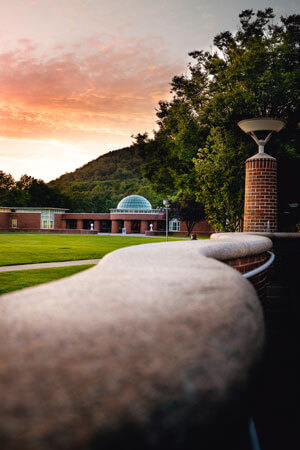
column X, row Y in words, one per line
column 27, row 248
column 19, row 279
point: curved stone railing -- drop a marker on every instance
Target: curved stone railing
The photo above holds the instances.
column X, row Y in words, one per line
column 253, row 266
column 154, row 348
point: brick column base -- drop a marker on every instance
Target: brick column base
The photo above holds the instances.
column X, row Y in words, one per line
column 144, row 226
column 127, row 225
column 260, row 212
column 114, row 226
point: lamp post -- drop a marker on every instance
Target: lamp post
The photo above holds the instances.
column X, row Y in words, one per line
column 167, row 205
column 268, row 125
column 260, row 211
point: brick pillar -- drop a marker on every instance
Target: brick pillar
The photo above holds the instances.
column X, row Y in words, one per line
column 144, row 226
column 79, row 224
column 97, row 225
column 64, row 224
column 127, row 225
column 154, row 223
column 114, row 226
column 260, row 212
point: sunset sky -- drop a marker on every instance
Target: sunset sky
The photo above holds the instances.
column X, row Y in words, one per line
column 79, row 77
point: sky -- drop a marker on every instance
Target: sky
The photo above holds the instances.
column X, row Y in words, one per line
column 78, row 78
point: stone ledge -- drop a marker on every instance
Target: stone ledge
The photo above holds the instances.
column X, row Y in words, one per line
column 277, row 235
column 152, row 348
column 240, row 245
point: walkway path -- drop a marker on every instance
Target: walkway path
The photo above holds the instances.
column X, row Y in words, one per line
column 48, row 265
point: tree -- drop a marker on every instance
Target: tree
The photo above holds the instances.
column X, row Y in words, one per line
column 252, row 73
column 190, row 213
column 6, row 181
column 10, row 194
column 168, row 158
column 39, row 193
column 221, row 188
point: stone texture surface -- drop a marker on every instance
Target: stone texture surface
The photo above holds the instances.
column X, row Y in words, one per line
column 154, row 348
column 239, row 245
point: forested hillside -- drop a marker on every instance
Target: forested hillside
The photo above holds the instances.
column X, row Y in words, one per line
column 103, row 182
column 114, row 165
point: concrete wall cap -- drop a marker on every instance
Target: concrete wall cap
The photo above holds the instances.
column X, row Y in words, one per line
column 239, row 245
column 160, row 337
column 277, row 235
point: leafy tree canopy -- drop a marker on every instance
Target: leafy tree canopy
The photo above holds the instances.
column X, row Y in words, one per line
column 198, row 151
column 190, row 213
column 28, row 191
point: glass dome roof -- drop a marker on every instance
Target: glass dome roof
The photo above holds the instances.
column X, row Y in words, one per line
column 134, row 202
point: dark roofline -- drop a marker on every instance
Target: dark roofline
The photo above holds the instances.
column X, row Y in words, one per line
column 34, row 207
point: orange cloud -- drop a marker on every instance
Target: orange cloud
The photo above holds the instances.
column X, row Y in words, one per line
column 100, row 88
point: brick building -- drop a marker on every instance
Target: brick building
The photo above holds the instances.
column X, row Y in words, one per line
column 134, row 214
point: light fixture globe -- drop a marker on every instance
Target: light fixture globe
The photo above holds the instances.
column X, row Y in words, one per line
column 268, row 124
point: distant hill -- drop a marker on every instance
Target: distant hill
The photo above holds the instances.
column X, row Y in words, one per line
column 100, row 184
column 114, row 165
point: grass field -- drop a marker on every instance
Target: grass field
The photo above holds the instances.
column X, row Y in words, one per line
column 12, row 281
column 31, row 248
column 27, row 248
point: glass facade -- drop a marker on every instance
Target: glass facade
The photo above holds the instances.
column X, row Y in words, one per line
column 136, row 202
column 47, row 219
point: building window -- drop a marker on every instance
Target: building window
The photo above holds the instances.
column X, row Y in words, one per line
column 105, row 226
column 71, row 224
column 47, row 219
column 14, row 223
column 174, row 225
column 161, row 225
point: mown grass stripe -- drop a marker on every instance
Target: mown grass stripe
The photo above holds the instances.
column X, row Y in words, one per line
column 12, row 281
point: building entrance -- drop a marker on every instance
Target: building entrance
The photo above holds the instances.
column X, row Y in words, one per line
column 120, row 225
column 136, row 226
column 105, row 226
column 87, row 224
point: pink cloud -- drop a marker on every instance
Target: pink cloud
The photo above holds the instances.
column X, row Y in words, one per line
column 105, row 84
